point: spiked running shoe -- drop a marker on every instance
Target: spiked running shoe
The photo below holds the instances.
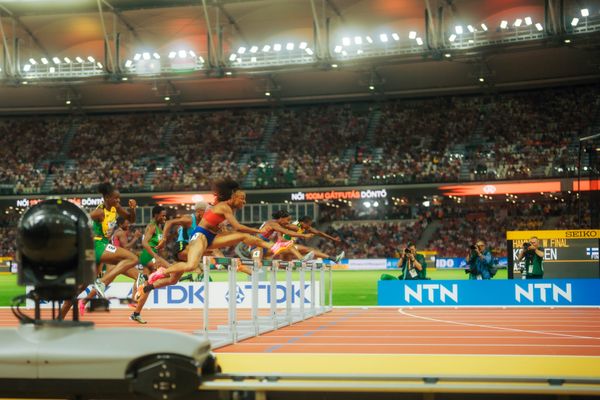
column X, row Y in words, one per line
column 100, row 288
column 137, row 318
column 339, row 257
column 156, row 275
column 281, row 246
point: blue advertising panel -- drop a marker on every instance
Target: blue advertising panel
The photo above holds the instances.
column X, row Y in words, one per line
column 555, row 292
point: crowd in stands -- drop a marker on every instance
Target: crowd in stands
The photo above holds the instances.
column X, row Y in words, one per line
column 444, row 139
column 372, row 240
column 26, row 145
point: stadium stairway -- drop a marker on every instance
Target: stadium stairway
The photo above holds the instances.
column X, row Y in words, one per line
column 167, row 134
column 428, row 234
column 166, row 163
column 67, row 139
column 261, row 152
column 372, row 126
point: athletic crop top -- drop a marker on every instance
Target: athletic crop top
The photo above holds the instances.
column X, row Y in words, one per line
column 184, row 234
column 212, row 218
column 299, row 230
column 267, row 233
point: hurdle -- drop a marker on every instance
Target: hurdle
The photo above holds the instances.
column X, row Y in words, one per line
column 239, row 329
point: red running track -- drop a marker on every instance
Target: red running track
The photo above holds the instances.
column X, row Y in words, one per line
column 561, row 331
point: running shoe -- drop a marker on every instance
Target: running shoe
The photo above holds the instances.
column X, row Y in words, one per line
column 308, row 256
column 141, row 279
column 280, row 246
column 156, row 275
column 100, row 288
column 137, row 318
column 81, row 307
column 188, row 277
column 339, row 257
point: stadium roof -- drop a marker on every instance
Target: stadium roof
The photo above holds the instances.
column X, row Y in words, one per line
column 68, row 28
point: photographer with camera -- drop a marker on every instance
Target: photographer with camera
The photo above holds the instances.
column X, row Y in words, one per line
column 534, row 259
column 413, row 264
column 479, row 262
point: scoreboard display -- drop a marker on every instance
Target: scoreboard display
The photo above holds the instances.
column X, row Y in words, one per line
column 567, row 253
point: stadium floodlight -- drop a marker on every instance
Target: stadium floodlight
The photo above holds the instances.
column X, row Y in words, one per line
column 228, row 73
column 309, row 51
column 201, row 59
column 91, row 59
column 44, row 60
column 484, row 27
column 52, row 70
column 346, row 41
column 99, row 65
column 357, row 40
column 585, row 12
column 192, row 54
column 146, row 56
column 412, row 35
column 337, row 49
column 277, row 47
column 419, row 41
column 241, row 50
column 447, row 55
column 27, row 67
column 303, row 45
column 334, row 65
column 371, row 87
column 67, row 60
column 395, row 36
column 369, row 39
column 232, row 57
column 253, row 49
column 79, row 60
column 481, row 79
column 367, row 204
column 383, row 38
column 128, row 64
column 289, row 46
column 182, row 54
column 172, row 55
column 68, row 102
column 574, row 21
column 344, row 53
column 56, row 60
column 32, row 61
column 567, row 41
column 458, row 29
column 267, row 94
column 504, row 24
column 518, row 22
column 452, row 37
column 24, row 82
column 266, row 48
column 156, row 55
column 124, row 78
column 252, row 59
column 539, row 27
column 167, row 98
column 470, row 28
column 137, row 57
column 359, row 51
column 528, row 21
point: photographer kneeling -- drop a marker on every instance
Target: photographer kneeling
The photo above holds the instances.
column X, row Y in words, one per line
column 479, row 262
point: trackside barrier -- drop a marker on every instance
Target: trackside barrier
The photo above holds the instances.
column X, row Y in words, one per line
column 235, row 330
column 491, row 293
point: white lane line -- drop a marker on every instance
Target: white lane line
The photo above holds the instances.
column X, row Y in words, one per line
column 359, row 344
column 496, row 327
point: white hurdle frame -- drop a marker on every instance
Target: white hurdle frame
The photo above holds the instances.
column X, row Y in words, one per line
column 237, row 330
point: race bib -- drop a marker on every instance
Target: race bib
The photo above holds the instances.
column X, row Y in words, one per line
column 111, row 249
